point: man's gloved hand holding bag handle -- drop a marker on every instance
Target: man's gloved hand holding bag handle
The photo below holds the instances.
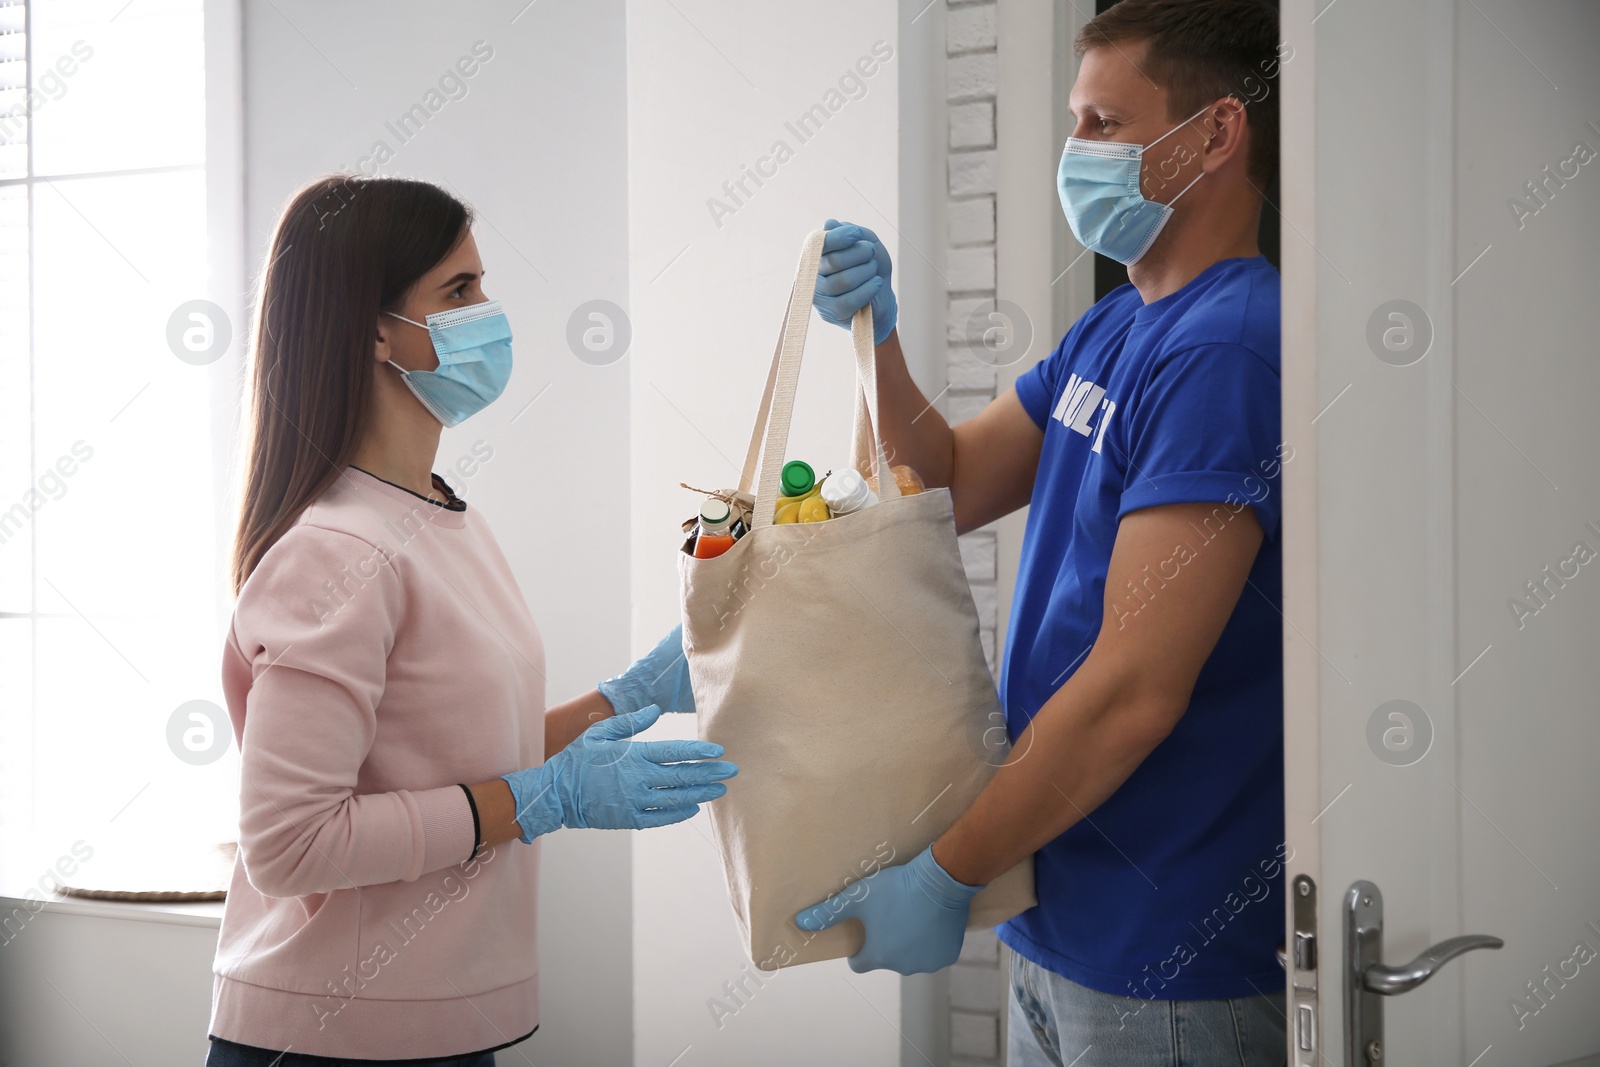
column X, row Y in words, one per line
column 839, row 663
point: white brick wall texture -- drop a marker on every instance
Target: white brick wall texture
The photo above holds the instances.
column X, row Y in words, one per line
column 971, row 77
column 980, row 946
column 972, row 125
column 974, row 1037
column 973, row 988
column 987, row 600
column 978, row 554
column 971, row 173
column 958, row 319
column 969, row 29
column 971, row 268
column 963, row 371
column 971, row 222
column 977, row 986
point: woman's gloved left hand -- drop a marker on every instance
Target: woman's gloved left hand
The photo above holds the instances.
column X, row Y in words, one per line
column 661, row 678
column 606, row 781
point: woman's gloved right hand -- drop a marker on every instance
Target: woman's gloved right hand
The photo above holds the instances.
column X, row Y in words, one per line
column 604, row 780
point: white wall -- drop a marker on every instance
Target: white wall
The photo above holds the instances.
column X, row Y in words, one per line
column 1525, row 322
column 711, row 86
column 81, row 989
column 537, row 145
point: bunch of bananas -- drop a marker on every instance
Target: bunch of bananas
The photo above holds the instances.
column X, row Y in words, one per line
column 807, row 507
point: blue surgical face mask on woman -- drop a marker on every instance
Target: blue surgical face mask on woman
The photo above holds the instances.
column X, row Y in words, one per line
column 474, row 348
column 1099, row 186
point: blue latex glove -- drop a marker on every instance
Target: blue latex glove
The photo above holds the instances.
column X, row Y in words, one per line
column 605, row 781
column 855, row 272
column 915, row 916
column 660, row 678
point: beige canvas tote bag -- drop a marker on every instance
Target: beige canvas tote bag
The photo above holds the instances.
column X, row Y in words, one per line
column 838, row 663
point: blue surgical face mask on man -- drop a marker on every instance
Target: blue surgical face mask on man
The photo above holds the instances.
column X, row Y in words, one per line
column 474, row 349
column 1099, row 186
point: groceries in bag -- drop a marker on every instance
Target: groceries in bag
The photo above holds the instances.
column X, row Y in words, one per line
column 715, row 535
column 805, row 498
column 842, row 491
column 798, row 485
column 798, row 481
column 846, row 491
column 739, row 505
column 909, row 481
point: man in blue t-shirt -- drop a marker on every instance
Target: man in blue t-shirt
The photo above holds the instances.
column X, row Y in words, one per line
column 1142, row 676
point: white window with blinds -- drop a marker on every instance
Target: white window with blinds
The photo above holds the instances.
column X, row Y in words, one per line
column 117, row 356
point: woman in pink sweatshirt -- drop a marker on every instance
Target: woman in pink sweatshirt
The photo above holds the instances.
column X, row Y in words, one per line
column 383, row 674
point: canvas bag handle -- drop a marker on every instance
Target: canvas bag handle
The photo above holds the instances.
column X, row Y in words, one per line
column 769, row 438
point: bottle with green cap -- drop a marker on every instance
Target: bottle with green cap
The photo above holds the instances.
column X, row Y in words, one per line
column 714, row 536
column 798, row 478
column 799, row 483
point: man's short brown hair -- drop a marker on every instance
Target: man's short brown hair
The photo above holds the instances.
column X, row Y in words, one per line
column 1201, row 50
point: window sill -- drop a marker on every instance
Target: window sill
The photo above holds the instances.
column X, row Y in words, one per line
column 206, row 913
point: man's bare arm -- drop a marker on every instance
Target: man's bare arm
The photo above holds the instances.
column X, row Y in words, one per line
column 1126, row 697
column 988, row 462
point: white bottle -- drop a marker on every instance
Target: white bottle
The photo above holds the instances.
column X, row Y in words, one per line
column 845, row 491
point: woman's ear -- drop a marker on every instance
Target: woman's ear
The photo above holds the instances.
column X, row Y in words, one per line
column 381, row 349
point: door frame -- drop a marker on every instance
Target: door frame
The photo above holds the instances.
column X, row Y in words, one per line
column 1318, row 334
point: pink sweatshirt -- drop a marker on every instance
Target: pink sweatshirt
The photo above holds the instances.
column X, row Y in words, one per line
column 380, row 654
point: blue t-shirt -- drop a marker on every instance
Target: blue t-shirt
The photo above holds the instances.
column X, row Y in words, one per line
column 1171, row 889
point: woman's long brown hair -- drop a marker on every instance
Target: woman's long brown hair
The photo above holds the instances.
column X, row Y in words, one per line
column 345, row 248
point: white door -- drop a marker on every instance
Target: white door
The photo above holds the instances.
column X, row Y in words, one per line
column 1441, row 204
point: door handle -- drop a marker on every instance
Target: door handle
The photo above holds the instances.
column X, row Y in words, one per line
column 1390, row 981
column 1367, row 979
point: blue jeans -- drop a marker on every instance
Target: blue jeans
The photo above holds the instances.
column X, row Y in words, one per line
column 229, row 1054
column 1058, row 1023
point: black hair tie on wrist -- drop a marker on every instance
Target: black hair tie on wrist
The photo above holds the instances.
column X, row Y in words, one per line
column 477, row 827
